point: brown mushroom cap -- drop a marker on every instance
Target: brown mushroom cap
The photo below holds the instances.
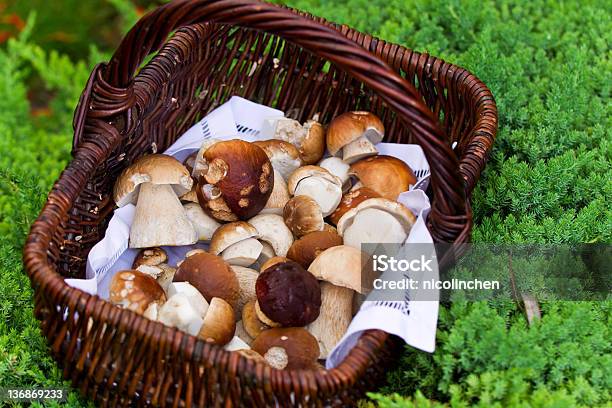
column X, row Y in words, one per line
column 307, row 248
column 251, row 323
column 211, row 275
column 288, row 294
column 303, row 215
column 243, row 175
column 159, row 169
column 150, row 257
column 287, row 348
column 350, row 126
column 135, row 291
column 351, row 200
column 219, row 323
column 313, row 144
column 387, row 175
column 341, row 265
column 230, row 234
column 272, row 261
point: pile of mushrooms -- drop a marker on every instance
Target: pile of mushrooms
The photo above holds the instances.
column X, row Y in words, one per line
column 284, row 229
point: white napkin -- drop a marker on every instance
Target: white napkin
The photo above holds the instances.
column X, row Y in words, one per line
column 241, row 118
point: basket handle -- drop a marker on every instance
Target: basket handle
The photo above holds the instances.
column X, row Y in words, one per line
column 152, row 31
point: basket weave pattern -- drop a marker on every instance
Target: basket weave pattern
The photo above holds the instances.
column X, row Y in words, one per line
column 292, row 61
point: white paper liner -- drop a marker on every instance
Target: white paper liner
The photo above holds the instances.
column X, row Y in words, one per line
column 240, row 118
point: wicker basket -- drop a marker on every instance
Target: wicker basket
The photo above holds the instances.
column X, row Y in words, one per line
column 295, row 62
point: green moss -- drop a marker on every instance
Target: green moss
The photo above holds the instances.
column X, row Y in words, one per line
column 549, row 180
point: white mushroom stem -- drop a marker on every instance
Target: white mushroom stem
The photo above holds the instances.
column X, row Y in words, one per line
column 197, row 300
column 160, row 219
column 279, row 196
column 267, row 252
column 358, row 149
column 246, row 281
column 338, row 168
column 204, row 224
column 373, row 226
column 327, row 194
column 243, row 253
column 179, row 312
column 334, row 319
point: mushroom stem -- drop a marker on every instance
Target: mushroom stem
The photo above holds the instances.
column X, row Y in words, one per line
column 160, row 219
column 358, row 149
column 334, row 319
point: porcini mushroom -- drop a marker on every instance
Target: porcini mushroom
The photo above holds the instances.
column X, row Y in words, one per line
column 272, row 229
column 135, row 291
column 251, row 322
column 303, row 215
column 355, row 133
column 387, row 175
column 374, row 221
column 351, row 200
column 340, row 268
column 278, row 198
column 204, row 224
column 308, row 247
column 197, row 300
column 246, row 281
column 272, row 261
column 287, row 348
column 288, row 295
column 309, row 139
column 150, row 257
column 180, row 312
column 284, row 156
column 338, row 168
column 318, row 184
column 219, row 324
column 210, row 275
column 154, row 183
column 238, row 180
column 237, row 243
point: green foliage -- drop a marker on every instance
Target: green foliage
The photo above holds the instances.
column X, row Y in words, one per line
column 549, row 180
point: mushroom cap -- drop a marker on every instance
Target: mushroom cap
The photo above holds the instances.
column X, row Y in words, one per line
column 310, row 171
column 387, row 175
column 303, row 215
column 250, row 321
column 243, row 175
column 289, row 295
column 313, row 144
column 135, row 291
column 308, row 247
column 272, row 261
column 340, row 265
column 287, row 348
column 284, row 156
column 211, row 275
column 219, row 323
column 155, row 169
column 351, row 200
column 230, row 234
column 350, row 126
column 272, row 229
column 399, row 211
column 150, row 257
